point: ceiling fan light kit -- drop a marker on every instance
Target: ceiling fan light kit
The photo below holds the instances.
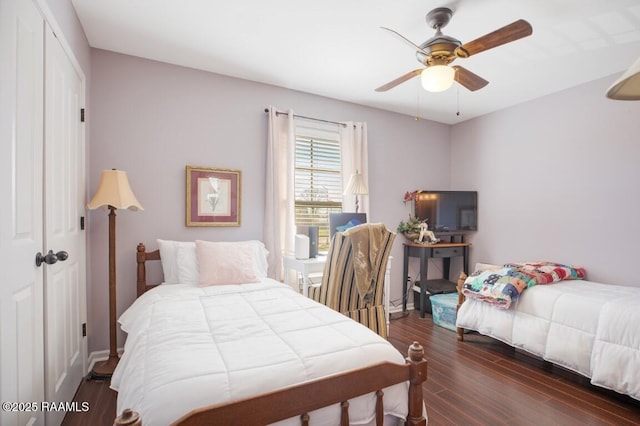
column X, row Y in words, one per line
column 439, row 51
column 437, row 78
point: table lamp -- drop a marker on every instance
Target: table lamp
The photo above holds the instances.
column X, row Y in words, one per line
column 356, row 186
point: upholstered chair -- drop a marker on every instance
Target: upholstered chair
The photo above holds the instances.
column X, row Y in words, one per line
column 353, row 278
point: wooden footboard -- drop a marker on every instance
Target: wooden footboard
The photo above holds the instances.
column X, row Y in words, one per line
column 300, row 400
column 461, row 278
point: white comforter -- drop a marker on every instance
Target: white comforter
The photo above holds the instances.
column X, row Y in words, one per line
column 590, row 328
column 189, row 347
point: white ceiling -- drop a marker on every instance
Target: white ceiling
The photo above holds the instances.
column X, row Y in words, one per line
column 335, row 48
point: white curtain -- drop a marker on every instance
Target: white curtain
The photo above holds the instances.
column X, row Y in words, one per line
column 353, row 138
column 279, row 221
column 279, row 224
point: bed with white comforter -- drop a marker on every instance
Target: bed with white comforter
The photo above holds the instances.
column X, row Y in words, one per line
column 189, row 347
column 590, row 328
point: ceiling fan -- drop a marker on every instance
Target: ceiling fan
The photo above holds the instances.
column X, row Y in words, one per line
column 440, row 50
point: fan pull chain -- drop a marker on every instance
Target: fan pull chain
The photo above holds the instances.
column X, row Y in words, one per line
column 418, row 100
column 458, row 100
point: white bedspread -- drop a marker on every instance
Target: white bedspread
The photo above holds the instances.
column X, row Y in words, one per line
column 189, row 347
column 590, row 328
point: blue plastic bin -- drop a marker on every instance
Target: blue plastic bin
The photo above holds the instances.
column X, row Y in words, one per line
column 443, row 307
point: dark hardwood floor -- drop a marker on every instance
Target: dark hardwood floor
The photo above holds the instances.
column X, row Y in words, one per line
column 476, row 382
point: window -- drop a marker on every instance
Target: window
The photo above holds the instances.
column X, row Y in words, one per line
column 318, row 182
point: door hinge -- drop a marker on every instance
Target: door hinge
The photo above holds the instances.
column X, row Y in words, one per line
column 82, row 223
column 82, row 115
column 84, row 329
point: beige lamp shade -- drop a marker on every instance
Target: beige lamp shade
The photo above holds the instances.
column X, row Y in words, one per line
column 356, row 185
column 114, row 190
column 627, row 87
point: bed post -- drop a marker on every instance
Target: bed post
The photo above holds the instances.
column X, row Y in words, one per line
column 142, row 272
column 461, row 278
column 418, row 376
column 128, row 418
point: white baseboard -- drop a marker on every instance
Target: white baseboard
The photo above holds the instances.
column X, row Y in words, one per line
column 98, row 356
column 395, row 309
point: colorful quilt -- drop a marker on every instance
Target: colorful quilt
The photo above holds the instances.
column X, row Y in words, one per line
column 501, row 287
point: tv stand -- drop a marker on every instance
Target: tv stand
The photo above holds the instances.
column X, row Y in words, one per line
column 452, row 236
column 444, row 251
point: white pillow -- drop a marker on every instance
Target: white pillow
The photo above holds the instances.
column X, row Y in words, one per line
column 486, row 266
column 169, row 259
column 260, row 254
column 187, row 264
column 180, row 261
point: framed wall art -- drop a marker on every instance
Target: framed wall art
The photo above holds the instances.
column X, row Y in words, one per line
column 213, row 197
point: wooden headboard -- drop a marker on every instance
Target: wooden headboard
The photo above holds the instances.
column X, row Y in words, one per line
column 143, row 256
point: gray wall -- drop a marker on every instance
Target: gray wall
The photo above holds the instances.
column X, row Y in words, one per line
column 558, row 180
column 557, row 177
column 152, row 119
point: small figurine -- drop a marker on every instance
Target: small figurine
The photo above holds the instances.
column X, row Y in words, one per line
column 424, row 232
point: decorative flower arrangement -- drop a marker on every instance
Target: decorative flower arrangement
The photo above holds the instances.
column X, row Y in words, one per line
column 410, row 228
column 410, row 197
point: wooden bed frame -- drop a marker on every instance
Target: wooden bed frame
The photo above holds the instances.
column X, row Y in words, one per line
column 303, row 398
column 461, row 279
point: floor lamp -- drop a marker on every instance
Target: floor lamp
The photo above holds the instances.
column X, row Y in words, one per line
column 113, row 193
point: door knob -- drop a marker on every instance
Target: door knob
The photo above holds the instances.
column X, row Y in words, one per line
column 62, row 255
column 51, row 257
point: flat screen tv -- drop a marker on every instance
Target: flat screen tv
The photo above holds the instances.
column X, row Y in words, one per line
column 448, row 210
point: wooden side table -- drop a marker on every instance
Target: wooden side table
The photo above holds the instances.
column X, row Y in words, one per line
column 424, row 252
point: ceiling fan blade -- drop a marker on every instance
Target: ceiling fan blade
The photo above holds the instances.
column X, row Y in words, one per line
column 514, row 31
column 468, row 79
column 406, row 40
column 394, row 83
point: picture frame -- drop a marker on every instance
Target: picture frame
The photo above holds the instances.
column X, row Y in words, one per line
column 213, row 196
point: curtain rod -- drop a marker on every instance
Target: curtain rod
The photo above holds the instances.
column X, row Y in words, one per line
column 308, row 118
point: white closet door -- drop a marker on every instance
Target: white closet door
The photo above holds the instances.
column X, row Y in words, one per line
column 64, row 205
column 21, row 165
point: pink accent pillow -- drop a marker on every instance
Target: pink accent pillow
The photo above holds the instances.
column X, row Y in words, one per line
column 225, row 263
